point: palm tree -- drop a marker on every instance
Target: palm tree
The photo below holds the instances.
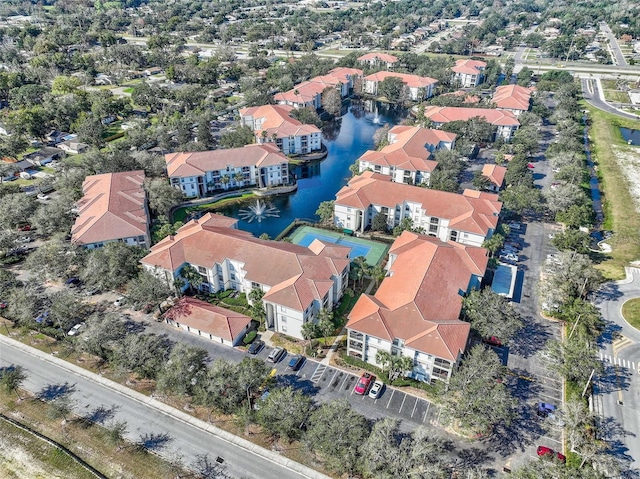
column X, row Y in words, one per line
column 225, row 180
column 309, row 331
column 238, row 177
column 191, row 276
column 325, row 323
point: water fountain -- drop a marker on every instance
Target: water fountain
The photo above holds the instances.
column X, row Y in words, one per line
column 258, row 211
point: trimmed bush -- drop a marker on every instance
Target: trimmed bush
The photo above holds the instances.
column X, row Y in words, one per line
column 250, row 336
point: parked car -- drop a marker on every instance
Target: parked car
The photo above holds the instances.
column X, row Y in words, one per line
column 3, row 304
column 43, row 318
column 76, row 329
column 24, row 239
column 509, row 257
column 24, row 227
column 547, row 451
column 493, row 341
column 531, row 166
column 119, row 302
column 277, row 354
column 296, row 362
column 514, row 225
column 42, row 196
column 364, row 383
column 256, row 346
column 72, row 282
column 545, row 410
column 91, row 291
column 376, row 389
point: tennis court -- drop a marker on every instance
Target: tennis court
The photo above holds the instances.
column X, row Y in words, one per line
column 371, row 250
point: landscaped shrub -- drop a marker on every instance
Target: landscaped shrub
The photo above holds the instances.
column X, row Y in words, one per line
column 249, row 337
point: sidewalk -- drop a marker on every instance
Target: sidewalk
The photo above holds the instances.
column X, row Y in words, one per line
column 170, row 411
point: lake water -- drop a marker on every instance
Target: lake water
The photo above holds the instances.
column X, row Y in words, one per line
column 633, row 135
column 320, row 181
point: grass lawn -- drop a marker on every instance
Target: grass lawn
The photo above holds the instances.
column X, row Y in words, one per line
column 616, row 96
column 609, row 84
column 128, row 90
column 631, row 312
column 621, row 216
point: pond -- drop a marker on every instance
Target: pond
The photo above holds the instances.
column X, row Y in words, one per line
column 631, row 136
column 320, row 181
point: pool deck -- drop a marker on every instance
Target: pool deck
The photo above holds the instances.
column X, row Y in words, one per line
column 376, row 253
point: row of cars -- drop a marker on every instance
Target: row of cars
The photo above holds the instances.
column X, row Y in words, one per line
column 276, row 355
column 512, row 245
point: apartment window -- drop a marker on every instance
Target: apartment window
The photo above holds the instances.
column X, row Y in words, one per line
column 433, row 225
column 202, row 270
column 283, row 328
column 283, row 319
column 454, row 236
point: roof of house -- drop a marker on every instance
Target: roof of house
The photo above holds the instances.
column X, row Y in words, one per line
column 44, row 152
column 495, row 173
column 277, row 120
column 113, row 206
column 420, row 302
column 468, row 67
column 512, row 97
column 446, row 114
column 468, row 97
column 344, row 73
column 296, row 274
column 376, row 56
column 465, row 212
column 305, row 92
column 408, row 148
column 412, row 81
column 184, row 164
column 208, row 318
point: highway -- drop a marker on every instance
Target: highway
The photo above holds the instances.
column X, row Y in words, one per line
column 618, row 388
column 147, row 416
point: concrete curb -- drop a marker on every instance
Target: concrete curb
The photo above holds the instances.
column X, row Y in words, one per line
column 628, row 279
column 170, row 411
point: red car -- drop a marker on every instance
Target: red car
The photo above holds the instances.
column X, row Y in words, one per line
column 493, row 341
column 547, row 451
column 364, row 384
column 531, row 166
column 25, row 227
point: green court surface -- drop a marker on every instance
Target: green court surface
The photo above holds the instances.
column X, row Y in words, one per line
column 371, row 250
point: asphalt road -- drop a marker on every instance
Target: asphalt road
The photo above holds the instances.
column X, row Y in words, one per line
column 618, row 388
column 592, row 94
column 618, row 57
column 175, row 437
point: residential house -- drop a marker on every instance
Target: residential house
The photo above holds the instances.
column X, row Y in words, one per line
column 417, row 88
column 297, row 281
column 513, row 98
column 73, row 147
column 54, row 137
column 113, row 207
column 408, row 156
column 273, row 124
column 468, row 73
column 199, row 173
column 468, row 218
column 44, row 155
column 308, row 94
column 378, row 60
column 415, row 311
column 495, row 174
column 208, row 321
column 505, row 121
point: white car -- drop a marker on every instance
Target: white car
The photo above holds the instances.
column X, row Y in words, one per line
column 42, row 196
column 514, row 225
column 119, row 302
column 76, row 329
column 376, row 389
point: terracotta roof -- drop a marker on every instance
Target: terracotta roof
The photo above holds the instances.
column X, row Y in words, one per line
column 420, row 302
column 305, row 92
column 495, row 173
column 408, row 148
column 182, row 164
column 446, row 114
column 512, row 97
column 465, row 213
column 277, row 120
column 468, row 98
column 344, row 73
column 113, row 206
column 468, row 67
column 296, row 274
column 381, row 57
column 219, row 322
column 413, row 81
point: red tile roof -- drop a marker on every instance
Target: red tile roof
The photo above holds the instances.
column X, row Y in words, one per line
column 512, row 97
column 465, row 212
column 468, row 67
column 182, row 164
column 113, row 206
column 495, row 173
column 446, row 114
column 420, row 302
column 413, row 81
column 344, row 74
column 277, row 120
column 381, row 57
column 468, row 98
column 408, row 149
column 219, row 322
column 296, row 274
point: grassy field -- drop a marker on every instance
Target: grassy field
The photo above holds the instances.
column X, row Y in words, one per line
column 29, row 457
column 631, row 312
column 616, row 96
column 621, row 216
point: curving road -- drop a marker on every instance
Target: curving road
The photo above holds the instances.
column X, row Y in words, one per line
column 592, row 93
column 186, row 437
column 617, row 398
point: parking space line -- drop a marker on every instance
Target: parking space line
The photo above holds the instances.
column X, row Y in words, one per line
column 426, row 412
column 548, row 396
column 403, row 400
column 392, row 393
column 414, row 407
column 346, row 376
column 551, row 439
column 334, row 376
